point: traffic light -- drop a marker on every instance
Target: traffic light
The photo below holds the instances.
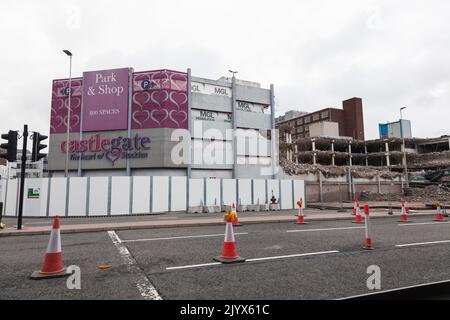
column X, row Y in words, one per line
column 37, row 146
column 10, row 146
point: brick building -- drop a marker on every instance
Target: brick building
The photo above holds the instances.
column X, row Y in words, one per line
column 349, row 120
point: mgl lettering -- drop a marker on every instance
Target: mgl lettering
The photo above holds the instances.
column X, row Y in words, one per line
column 207, row 114
column 221, row 91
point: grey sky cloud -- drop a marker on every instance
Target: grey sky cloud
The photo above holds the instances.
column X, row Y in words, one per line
column 317, row 53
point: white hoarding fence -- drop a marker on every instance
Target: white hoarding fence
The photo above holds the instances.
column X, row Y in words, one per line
column 109, row 196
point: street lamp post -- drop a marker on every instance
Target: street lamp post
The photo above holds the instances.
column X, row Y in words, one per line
column 66, row 173
column 233, row 119
column 233, row 73
column 405, row 165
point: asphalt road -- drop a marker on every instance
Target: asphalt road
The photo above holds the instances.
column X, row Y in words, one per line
column 165, row 260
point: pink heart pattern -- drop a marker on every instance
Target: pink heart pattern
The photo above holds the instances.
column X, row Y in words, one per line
column 60, row 103
column 160, row 100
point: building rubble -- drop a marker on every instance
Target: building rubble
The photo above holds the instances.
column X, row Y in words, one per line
column 291, row 168
column 428, row 195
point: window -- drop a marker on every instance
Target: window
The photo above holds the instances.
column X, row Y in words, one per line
column 306, row 128
column 324, row 115
column 316, row 117
column 300, row 129
column 300, row 121
column 308, row 119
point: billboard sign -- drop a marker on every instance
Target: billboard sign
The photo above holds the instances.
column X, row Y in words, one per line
column 105, row 99
column 251, row 107
column 160, row 100
column 203, row 88
column 60, row 103
column 208, row 115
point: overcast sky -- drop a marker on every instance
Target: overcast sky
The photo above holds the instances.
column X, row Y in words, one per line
column 317, row 53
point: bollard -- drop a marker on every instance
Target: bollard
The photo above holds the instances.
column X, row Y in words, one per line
column 2, row 225
column 368, row 242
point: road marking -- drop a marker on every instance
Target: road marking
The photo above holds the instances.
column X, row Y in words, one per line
column 255, row 259
column 293, row 256
column 183, row 237
column 421, row 243
column 195, row 266
column 325, row 229
column 420, row 223
column 145, row 287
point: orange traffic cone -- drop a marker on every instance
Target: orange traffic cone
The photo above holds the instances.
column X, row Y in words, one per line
column 403, row 216
column 439, row 216
column 236, row 219
column 300, row 213
column 357, row 212
column 52, row 266
column 229, row 251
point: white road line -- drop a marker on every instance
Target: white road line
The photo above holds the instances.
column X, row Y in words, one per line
column 183, row 237
column 420, row 224
column 195, row 266
column 325, row 229
column 421, row 243
column 293, row 256
column 145, row 287
column 254, row 259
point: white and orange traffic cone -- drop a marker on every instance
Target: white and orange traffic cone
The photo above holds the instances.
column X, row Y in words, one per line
column 439, row 216
column 403, row 216
column 53, row 265
column 236, row 219
column 229, row 251
column 300, row 213
column 407, row 209
column 355, row 206
column 368, row 240
column 357, row 212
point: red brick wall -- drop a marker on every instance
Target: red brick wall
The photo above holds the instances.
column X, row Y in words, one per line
column 353, row 115
column 338, row 116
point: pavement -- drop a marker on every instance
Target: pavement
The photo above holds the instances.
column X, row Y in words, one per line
column 395, row 205
column 321, row 260
column 39, row 226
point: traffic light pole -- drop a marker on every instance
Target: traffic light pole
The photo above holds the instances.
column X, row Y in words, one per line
column 22, row 176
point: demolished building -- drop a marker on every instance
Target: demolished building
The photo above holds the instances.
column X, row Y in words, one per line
column 380, row 154
column 360, row 167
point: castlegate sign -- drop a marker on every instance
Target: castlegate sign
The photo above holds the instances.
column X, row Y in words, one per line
column 97, row 148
